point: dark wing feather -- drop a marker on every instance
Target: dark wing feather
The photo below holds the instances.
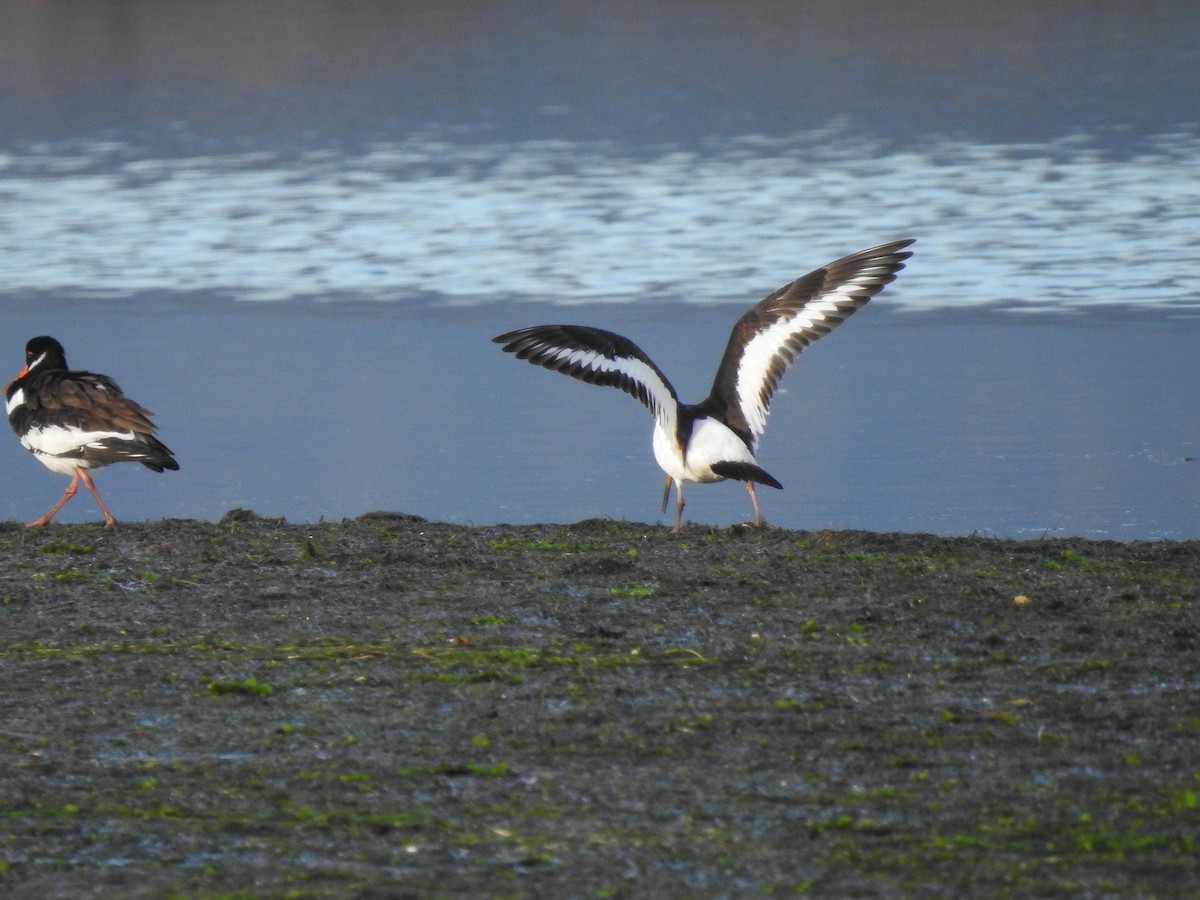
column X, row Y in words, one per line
column 86, row 401
column 769, row 337
column 144, row 448
column 596, row 357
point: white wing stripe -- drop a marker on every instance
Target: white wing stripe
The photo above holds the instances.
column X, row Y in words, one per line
column 633, row 369
column 762, row 349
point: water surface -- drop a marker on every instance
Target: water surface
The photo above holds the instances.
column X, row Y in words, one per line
column 292, row 228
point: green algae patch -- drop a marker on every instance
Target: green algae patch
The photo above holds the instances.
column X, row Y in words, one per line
column 65, row 548
column 246, row 687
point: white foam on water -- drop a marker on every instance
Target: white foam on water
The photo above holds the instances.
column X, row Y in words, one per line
column 1054, row 226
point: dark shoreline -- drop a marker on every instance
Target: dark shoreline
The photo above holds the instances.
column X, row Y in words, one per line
column 392, row 707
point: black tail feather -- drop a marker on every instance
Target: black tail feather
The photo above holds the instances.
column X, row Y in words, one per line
column 741, row 471
column 144, row 448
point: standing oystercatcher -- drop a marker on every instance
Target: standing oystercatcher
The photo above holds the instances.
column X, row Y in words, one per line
column 73, row 421
column 716, row 439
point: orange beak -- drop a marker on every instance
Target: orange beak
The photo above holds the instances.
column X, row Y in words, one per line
column 23, row 373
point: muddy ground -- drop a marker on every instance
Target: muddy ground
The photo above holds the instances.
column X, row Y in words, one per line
column 391, row 707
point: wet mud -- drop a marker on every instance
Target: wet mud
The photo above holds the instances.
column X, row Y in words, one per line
column 392, row 707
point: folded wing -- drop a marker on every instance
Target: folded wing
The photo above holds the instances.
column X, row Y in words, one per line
column 85, row 416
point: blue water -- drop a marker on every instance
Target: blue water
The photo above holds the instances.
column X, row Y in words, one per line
column 1038, row 227
column 291, row 229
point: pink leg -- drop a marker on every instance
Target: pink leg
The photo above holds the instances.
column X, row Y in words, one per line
column 62, row 501
column 758, row 518
column 679, row 505
column 109, row 521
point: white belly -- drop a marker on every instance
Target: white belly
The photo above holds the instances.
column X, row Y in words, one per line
column 49, row 445
column 64, row 465
column 711, row 442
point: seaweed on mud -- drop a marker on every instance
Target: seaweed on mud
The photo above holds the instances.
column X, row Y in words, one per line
column 390, row 706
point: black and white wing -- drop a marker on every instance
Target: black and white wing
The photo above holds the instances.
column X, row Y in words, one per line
column 769, row 337
column 597, row 357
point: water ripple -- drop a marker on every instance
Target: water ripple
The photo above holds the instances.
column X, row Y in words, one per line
column 1034, row 226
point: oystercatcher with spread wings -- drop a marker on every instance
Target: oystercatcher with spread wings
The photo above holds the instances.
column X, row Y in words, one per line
column 717, row 438
column 73, row 421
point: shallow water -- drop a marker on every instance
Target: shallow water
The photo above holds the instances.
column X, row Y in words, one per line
column 393, row 186
column 986, row 424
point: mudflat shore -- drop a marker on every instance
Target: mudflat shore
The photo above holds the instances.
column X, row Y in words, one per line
column 392, row 707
